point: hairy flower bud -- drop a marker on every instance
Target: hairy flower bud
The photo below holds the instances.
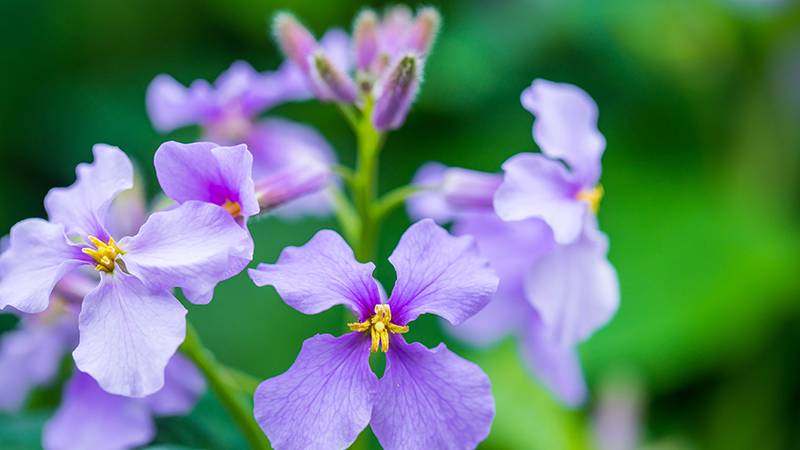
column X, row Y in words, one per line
column 292, row 182
column 395, row 92
column 423, row 31
column 366, row 33
column 294, row 40
column 331, row 83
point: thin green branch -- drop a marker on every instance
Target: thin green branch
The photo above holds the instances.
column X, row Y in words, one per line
column 350, row 114
column 347, row 216
column 392, row 200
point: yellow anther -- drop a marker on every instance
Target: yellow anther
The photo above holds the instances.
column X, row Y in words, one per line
column 233, row 207
column 593, row 196
column 104, row 255
column 380, row 325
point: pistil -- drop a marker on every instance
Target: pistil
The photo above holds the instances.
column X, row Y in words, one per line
column 379, row 325
column 593, row 196
column 104, row 255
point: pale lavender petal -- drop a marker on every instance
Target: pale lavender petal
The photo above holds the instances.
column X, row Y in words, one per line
column 535, row 186
column 128, row 335
column 395, row 91
column 511, row 248
column 431, row 399
column 183, row 387
column 322, row 273
column 470, row 189
column 127, row 212
column 207, row 172
column 440, row 274
column 30, row 356
column 574, row 287
column 90, row 418
column 566, row 126
column 318, row 204
column 366, row 34
column 82, row 207
column 324, row 400
column 170, row 105
column 38, row 256
column 187, row 247
column 423, row 31
column 241, row 85
column 556, row 366
column 336, row 45
column 278, row 143
column 431, row 202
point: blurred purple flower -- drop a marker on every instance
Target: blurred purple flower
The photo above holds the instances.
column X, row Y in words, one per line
column 91, row 418
column 539, row 299
column 426, row 398
column 130, row 323
column 387, row 56
column 225, row 110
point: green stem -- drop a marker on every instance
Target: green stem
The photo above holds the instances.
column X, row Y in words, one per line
column 369, row 142
column 224, row 384
column 393, row 200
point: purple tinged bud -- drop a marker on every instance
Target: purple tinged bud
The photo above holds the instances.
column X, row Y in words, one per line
column 332, row 84
column 424, row 30
column 469, row 188
column 294, row 40
column 292, row 182
column 395, row 92
column 365, row 36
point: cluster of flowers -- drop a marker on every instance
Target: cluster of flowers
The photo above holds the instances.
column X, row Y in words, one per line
column 98, row 277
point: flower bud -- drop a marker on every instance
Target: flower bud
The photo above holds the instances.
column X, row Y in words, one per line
column 331, row 83
column 423, row 31
column 466, row 188
column 294, row 40
column 292, row 182
column 395, row 92
column 365, row 37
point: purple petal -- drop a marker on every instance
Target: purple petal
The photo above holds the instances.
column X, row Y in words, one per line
column 82, row 207
column 423, row 31
column 394, row 27
column 431, row 202
column 566, row 126
column 127, row 212
column 511, row 248
column 128, row 335
column 90, row 418
column 279, row 143
column 38, row 256
column 574, row 287
column 395, row 91
column 365, row 38
column 183, row 387
column 292, row 182
column 324, row 400
column 31, row 355
column 535, row 186
column 255, row 92
column 207, row 172
column 318, row 204
column 556, row 366
column 187, row 247
column 170, row 105
column 440, row 274
column 336, row 45
column 321, row 274
column 431, row 399
column 330, row 82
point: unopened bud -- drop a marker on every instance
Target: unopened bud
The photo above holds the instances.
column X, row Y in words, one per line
column 290, row 183
column 423, row 31
column 294, row 40
column 395, row 92
column 365, row 37
column 331, row 83
column 466, row 188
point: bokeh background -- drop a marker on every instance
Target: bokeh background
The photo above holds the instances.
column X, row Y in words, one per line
column 699, row 102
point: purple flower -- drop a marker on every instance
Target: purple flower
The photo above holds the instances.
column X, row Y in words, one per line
column 130, row 323
column 538, row 185
column 555, row 289
column 389, row 56
column 91, row 418
column 226, row 109
column 426, row 398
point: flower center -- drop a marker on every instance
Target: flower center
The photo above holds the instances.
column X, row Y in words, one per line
column 233, row 207
column 380, row 325
column 593, row 196
column 104, row 255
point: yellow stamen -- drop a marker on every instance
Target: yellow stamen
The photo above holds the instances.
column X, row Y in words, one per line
column 104, row 255
column 593, row 196
column 233, row 207
column 380, row 325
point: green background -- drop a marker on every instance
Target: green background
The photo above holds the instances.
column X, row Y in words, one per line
column 699, row 102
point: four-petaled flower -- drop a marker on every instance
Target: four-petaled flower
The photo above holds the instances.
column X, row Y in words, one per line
column 130, row 323
column 426, row 398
